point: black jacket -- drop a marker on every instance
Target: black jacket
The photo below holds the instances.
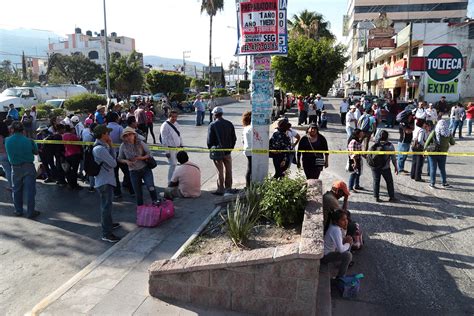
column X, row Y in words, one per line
column 226, row 132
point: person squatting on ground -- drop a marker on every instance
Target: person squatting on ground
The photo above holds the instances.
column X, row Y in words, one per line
column 440, row 139
column 336, row 247
column 134, row 152
column 221, row 135
column 247, row 136
column 313, row 163
column 280, row 146
column 186, row 179
column 104, row 156
column 170, row 136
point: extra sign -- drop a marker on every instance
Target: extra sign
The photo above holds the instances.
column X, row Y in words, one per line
column 444, row 63
column 262, row 27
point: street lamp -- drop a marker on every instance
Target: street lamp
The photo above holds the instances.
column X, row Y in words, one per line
column 107, row 75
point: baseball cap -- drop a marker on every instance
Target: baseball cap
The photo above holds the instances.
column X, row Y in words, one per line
column 217, row 110
column 75, row 119
column 100, row 130
column 341, row 185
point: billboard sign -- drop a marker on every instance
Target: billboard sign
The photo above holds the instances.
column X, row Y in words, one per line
column 262, row 27
column 444, row 63
column 381, row 43
column 450, row 87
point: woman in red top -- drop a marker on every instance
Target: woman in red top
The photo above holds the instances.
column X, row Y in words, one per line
column 73, row 154
column 149, row 124
column 302, row 113
column 469, row 117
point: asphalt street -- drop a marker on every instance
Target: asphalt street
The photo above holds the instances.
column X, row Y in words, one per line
column 36, row 257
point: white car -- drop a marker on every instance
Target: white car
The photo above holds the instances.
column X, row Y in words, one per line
column 57, row 103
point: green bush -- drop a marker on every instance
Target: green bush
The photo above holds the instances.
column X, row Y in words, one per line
column 244, row 84
column 57, row 112
column 47, row 107
column 204, row 95
column 85, row 102
column 220, row 92
column 180, row 97
column 41, row 114
column 283, row 200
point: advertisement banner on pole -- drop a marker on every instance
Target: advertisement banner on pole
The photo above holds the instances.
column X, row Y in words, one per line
column 262, row 91
column 262, row 27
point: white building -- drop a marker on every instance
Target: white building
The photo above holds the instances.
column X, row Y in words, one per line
column 93, row 46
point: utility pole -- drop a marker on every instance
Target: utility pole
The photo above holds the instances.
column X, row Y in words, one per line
column 107, row 67
column 408, row 70
column 185, row 55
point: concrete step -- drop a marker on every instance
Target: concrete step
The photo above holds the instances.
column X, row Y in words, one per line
column 323, row 304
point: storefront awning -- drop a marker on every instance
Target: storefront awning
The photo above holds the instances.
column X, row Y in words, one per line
column 395, row 82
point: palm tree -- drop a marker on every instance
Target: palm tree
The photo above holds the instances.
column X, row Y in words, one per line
column 310, row 24
column 211, row 7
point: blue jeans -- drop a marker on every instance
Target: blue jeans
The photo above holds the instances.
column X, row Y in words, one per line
column 377, row 174
column 403, row 147
column 7, row 168
column 437, row 161
column 136, row 177
column 349, row 131
column 354, row 180
column 469, row 126
column 106, row 193
column 455, row 126
column 24, row 182
column 200, row 117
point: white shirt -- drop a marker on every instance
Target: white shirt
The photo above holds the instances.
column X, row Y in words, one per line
column 344, row 107
column 319, row 104
column 431, row 115
column 168, row 135
column 333, row 240
column 420, row 114
column 357, row 114
column 79, row 128
column 350, row 117
column 87, row 135
column 247, row 140
column 291, row 133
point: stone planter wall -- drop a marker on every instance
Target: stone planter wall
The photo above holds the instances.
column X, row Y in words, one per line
column 280, row 280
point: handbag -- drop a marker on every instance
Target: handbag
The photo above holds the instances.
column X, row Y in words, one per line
column 150, row 161
column 216, row 152
column 350, row 165
column 153, row 215
column 318, row 161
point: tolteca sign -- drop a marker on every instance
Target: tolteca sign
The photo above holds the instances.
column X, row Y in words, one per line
column 262, row 27
column 444, row 63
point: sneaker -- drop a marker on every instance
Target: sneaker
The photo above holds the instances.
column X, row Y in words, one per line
column 110, row 238
column 432, row 186
column 34, row 215
column 359, row 188
column 393, row 199
column 116, row 225
column 49, row 180
column 420, row 180
column 18, row 214
column 91, row 190
column 446, row 185
column 378, row 200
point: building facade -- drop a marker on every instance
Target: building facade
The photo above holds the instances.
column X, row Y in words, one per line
column 357, row 25
column 93, row 46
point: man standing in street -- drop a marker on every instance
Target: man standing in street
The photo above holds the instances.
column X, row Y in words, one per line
column 343, row 109
column 221, row 134
column 319, row 107
column 13, row 113
column 200, row 109
column 20, row 152
column 351, row 121
column 140, row 116
column 405, row 129
column 170, row 136
column 104, row 156
column 441, row 107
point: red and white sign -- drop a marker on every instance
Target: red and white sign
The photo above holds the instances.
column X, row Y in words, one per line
column 396, row 69
column 262, row 27
column 381, row 43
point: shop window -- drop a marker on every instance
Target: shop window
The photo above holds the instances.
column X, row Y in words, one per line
column 93, row 55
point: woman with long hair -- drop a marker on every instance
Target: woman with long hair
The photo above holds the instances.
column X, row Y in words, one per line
column 134, row 152
column 280, row 146
column 441, row 138
column 313, row 163
column 247, row 142
column 355, row 160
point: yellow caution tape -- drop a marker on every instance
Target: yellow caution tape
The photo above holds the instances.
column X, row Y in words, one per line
column 266, row 151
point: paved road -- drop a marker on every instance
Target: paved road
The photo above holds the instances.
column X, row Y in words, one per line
column 418, row 257
column 36, row 257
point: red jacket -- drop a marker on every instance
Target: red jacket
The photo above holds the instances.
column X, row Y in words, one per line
column 470, row 112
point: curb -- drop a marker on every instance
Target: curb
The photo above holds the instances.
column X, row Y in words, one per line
column 54, row 296
column 196, row 233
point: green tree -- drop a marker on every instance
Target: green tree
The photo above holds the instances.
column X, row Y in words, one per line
column 76, row 69
column 198, row 84
column 310, row 24
column 8, row 76
column 310, row 67
column 159, row 81
column 126, row 74
column 211, row 7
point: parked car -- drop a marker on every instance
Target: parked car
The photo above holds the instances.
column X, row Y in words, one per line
column 158, row 97
column 57, row 103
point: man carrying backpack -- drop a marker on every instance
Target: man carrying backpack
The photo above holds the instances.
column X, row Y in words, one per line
column 380, row 165
column 104, row 157
column 367, row 124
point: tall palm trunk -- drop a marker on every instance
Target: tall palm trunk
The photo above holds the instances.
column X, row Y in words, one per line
column 210, row 52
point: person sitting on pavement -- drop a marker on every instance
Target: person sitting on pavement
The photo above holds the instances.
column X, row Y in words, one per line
column 221, row 134
column 21, row 153
column 336, row 247
column 134, row 152
column 331, row 200
column 186, row 179
column 104, row 156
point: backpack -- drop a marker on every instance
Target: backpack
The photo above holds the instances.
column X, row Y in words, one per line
column 364, row 123
column 91, row 167
column 377, row 161
column 403, row 116
column 279, row 141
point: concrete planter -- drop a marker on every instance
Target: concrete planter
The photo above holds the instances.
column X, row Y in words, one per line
column 280, row 280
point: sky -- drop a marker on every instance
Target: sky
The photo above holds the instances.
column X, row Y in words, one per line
column 161, row 28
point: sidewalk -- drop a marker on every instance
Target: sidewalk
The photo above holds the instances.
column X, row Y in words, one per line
column 116, row 283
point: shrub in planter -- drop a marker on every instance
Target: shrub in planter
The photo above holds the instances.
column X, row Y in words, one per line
column 85, row 102
column 179, row 97
column 47, row 107
column 57, row 112
column 41, row 114
column 220, row 92
column 283, row 200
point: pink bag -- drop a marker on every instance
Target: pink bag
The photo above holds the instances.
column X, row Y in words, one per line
column 153, row 215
